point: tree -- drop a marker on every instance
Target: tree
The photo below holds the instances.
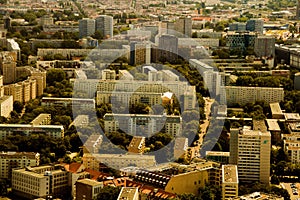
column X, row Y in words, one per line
column 18, row 106
column 55, row 75
column 275, row 179
column 109, row 193
column 98, row 35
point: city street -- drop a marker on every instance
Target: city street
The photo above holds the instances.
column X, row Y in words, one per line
column 287, row 186
column 204, row 126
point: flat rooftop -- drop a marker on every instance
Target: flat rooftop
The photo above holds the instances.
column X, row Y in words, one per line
column 273, row 125
column 217, row 153
column 90, row 182
column 229, row 174
column 128, row 193
column 292, row 116
column 295, row 127
column 275, row 108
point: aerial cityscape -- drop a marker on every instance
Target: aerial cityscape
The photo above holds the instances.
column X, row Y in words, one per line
column 149, row 100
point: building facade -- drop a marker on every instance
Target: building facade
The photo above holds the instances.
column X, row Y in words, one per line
column 104, row 24
column 86, row 27
column 243, row 95
column 250, row 151
column 11, row 160
column 40, row 181
column 230, row 182
column 143, row 125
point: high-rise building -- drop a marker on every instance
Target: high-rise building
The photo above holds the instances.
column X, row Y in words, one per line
column 8, row 69
column 230, row 182
column 104, row 24
column 264, row 46
column 168, row 48
column 140, row 53
column 86, row 27
column 256, row 25
column 250, row 150
column 184, row 26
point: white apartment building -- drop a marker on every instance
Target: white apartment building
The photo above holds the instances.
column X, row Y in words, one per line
column 118, row 161
column 41, row 119
column 40, row 181
column 243, row 95
column 143, row 124
column 6, row 105
column 250, row 151
column 10, row 160
column 230, row 182
column 56, row 131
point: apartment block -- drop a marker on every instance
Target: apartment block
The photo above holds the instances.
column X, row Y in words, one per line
column 93, row 144
column 40, row 182
column 6, row 105
column 86, row 27
column 8, row 68
column 88, row 189
column 75, row 102
column 41, row 119
column 243, row 95
column 146, row 90
column 230, row 182
column 140, row 53
column 22, row 91
column 264, row 46
column 11, row 160
column 250, row 150
column 108, row 74
column 56, row 131
column 143, row 125
column 117, row 161
column 104, row 24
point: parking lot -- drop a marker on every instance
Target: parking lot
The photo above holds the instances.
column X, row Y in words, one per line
column 293, row 189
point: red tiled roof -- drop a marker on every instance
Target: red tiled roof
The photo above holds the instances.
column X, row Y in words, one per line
column 96, row 174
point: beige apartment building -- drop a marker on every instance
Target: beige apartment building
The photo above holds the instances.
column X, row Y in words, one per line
column 40, row 181
column 6, row 105
column 11, row 160
column 230, row 182
column 243, row 95
column 118, row 161
column 250, row 150
column 22, row 91
column 41, row 119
